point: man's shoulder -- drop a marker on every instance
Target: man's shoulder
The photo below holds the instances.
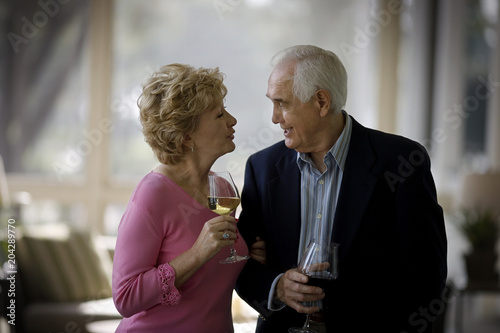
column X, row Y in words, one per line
column 273, row 155
column 279, row 148
column 387, row 142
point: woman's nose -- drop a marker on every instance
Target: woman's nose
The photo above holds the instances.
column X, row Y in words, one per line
column 232, row 120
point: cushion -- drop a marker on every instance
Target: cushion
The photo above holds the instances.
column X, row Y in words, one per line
column 57, row 264
column 69, row 317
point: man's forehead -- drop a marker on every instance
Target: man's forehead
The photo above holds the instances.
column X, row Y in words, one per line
column 280, row 79
column 283, row 71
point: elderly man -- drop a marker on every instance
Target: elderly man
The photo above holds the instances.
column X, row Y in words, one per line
column 370, row 192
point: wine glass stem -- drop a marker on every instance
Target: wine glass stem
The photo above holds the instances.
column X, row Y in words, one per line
column 233, row 252
column 306, row 324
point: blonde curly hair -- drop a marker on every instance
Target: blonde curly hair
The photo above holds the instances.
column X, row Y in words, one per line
column 171, row 102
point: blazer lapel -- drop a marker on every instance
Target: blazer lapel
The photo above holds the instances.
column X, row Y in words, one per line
column 284, row 194
column 356, row 189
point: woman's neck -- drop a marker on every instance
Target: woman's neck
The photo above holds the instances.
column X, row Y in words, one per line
column 190, row 177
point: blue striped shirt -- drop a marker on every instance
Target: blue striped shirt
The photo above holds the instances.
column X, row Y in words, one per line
column 319, row 191
column 318, row 197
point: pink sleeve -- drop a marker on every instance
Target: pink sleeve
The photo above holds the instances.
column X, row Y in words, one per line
column 138, row 283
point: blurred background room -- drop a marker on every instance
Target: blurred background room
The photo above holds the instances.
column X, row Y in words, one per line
column 72, row 150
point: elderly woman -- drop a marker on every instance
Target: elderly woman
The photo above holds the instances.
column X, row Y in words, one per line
column 166, row 274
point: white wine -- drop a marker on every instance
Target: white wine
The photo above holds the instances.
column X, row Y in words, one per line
column 223, row 206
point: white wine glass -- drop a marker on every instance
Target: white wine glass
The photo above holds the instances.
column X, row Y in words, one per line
column 223, row 198
column 319, row 263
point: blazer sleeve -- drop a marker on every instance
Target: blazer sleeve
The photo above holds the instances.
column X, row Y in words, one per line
column 421, row 225
column 250, row 225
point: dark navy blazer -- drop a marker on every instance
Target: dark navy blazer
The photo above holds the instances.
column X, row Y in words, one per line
column 390, row 227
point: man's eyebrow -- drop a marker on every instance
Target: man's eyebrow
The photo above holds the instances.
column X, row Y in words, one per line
column 280, row 100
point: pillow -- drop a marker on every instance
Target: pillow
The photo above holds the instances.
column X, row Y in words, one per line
column 57, row 264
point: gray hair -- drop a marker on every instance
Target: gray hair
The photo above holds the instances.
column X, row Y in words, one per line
column 316, row 69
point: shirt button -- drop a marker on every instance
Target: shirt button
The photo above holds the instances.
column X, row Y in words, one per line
column 318, row 216
column 321, row 182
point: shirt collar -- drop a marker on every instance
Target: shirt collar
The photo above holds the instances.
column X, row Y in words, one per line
column 339, row 150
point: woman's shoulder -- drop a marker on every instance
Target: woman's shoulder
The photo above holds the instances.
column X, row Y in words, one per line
column 155, row 187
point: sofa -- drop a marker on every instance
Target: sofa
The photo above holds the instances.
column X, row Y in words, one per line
column 63, row 281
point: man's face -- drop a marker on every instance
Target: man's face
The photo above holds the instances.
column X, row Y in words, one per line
column 299, row 121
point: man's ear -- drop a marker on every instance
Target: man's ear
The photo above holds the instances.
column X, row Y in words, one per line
column 323, row 101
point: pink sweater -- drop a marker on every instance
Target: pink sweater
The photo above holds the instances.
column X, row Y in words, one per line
column 161, row 222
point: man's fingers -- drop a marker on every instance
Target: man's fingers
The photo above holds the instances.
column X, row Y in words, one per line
column 293, row 292
column 297, row 282
column 301, row 308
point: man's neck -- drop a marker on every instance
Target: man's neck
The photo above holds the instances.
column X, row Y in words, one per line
column 318, row 157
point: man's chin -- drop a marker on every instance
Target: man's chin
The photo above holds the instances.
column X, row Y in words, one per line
column 290, row 144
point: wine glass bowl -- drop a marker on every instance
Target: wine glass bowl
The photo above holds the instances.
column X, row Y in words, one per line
column 223, row 206
column 320, row 260
column 223, row 198
column 320, row 264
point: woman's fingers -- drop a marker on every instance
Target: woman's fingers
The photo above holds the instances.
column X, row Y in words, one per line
column 223, row 228
column 258, row 251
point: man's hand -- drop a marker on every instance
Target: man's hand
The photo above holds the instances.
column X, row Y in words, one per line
column 292, row 290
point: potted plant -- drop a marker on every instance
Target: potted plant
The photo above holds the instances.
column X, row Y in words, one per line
column 481, row 228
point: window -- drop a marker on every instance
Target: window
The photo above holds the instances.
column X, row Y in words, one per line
column 464, row 91
column 44, row 93
column 238, row 37
column 480, row 17
column 69, row 128
column 44, row 87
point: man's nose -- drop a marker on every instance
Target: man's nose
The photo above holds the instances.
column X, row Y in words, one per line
column 276, row 117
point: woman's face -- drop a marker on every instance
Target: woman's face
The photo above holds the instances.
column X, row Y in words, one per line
column 214, row 133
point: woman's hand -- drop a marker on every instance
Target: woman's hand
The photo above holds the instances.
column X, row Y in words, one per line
column 206, row 246
column 258, row 251
column 211, row 238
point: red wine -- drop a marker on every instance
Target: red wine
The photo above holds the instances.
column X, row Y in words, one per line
column 319, row 279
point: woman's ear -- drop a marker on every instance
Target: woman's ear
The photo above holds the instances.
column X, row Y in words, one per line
column 188, row 142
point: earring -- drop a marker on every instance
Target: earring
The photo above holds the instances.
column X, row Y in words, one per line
column 192, row 148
